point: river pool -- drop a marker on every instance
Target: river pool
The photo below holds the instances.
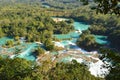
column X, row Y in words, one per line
column 26, row 49
column 73, row 36
column 68, row 40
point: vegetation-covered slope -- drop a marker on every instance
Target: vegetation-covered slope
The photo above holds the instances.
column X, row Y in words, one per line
column 35, row 24
column 20, row 69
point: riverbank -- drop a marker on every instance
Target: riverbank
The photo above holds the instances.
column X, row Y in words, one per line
column 70, row 50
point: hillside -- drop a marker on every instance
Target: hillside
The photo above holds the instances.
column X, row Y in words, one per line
column 58, row 40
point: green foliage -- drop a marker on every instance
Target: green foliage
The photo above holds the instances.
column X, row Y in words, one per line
column 115, row 57
column 114, row 73
column 17, row 51
column 49, row 45
column 108, row 6
column 70, row 71
column 105, row 6
column 19, row 20
column 1, row 33
column 98, row 29
column 9, row 43
column 87, row 41
column 85, row 2
column 111, row 54
column 63, row 27
column 39, row 51
column 20, row 69
column 108, row 25
column 63, row 4
column 33, row 22
column 70, row 21
column 16, row 38
column 12, row 69
column 115, row 38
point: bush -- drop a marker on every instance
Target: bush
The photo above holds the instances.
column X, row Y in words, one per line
column 39, row 51
column 10, row 43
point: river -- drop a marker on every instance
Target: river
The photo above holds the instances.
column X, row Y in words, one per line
column 69, row 42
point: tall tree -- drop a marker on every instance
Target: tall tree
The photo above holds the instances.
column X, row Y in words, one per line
column 106, row 6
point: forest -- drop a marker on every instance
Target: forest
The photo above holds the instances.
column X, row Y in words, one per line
column 29, row 19
column 26, row 70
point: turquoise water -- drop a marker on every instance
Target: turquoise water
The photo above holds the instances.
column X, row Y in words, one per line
column 26, row 49
column 73, row 36
column 80, row 26
column 65, row 59
column 101, row 39
column 27, row 53
column 45, row 5
column 55, row 53
column 3, row 40
column 67, row 36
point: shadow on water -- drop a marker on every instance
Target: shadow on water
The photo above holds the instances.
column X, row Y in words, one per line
column 102, row 38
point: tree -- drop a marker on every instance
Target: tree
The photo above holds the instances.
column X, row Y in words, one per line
column 114, row 73
column 114, row 37
column 114, row 57
column 98, row 29
column 14, row 69
column 70, row 21
column 106, row 6
column 70, row 71
column 85, row 2
column 49, row 44
column 17, row 51
column 9, row 43
column 16, row 38
column 39, row 51
column 1, row 33
column 87, row 41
